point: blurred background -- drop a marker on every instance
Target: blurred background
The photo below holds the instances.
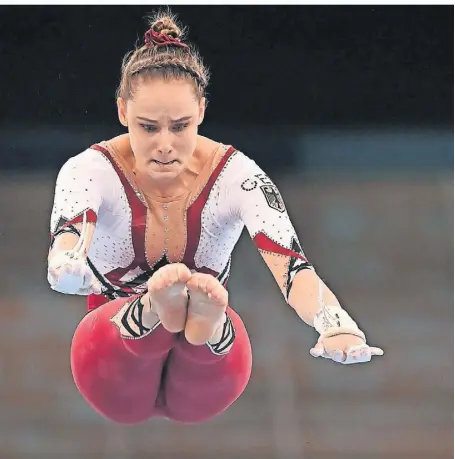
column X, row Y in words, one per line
column 350, row 110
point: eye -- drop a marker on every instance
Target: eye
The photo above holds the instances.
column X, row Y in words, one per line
column 180, row 127
column 149, row 127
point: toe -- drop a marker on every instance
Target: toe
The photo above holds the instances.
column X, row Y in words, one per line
column 182, row 272
column 197, row 282
column 216, row 290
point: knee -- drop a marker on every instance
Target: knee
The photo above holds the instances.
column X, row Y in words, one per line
column 206, row 391
column 106, row 374
column 206, row 399
column 195, row 406
column 95, row 347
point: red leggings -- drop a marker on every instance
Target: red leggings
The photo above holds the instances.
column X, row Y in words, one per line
column 159, row 375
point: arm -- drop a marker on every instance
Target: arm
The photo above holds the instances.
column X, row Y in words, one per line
column 68, row 239
column 259, row 204
column 77, row 203
column 263, row 211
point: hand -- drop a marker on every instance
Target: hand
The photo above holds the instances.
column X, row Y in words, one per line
column 68, row 271
column 345, row 349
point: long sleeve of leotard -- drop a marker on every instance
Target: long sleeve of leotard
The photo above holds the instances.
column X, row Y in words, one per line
column 256, row 200
column 82, row 187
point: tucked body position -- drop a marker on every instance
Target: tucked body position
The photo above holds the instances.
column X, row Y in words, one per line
column 144, row 225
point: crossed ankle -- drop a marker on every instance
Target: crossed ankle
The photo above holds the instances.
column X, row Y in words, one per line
column 135, row 319
column 149, row 312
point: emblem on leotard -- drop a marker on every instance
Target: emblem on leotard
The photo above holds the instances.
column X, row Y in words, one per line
column 273, row 197
column 268, row 188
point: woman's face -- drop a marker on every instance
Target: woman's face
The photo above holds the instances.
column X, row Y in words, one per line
column 162, row 119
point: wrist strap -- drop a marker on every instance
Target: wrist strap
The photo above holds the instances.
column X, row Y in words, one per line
column 334, row 320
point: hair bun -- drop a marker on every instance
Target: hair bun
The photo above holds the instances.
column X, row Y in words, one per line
column 165, row 24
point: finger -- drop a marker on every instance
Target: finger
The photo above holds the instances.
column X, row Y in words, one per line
column 68, row 283
column 96, row 291
column 93, row 288
column 66, row 269
column 96, row 287
column 339, row 356
column 376, row 351
column 53, row 272
column 85, row 291
column 89, row 278
column 58, row 260
column 358, row 354
column 362, row 358
column 318, row 350
column 78, row 269
column 52, row 277
column 364, row 353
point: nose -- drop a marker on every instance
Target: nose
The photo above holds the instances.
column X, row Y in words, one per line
column 164, row 144
column 164, row 149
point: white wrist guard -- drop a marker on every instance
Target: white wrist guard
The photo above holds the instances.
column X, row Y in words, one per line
column 334, row 320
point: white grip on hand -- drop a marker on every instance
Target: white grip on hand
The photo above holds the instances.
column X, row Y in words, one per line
column 334, row 320
column 67, row 274
column 68, row 271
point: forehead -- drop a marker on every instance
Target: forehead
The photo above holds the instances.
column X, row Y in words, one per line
column 170, row 97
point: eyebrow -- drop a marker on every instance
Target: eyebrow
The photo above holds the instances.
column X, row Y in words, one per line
column 185, row 118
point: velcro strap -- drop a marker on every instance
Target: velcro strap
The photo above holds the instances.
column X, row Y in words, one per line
column 344, row 331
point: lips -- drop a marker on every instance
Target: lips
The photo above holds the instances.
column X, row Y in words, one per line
column 164, row 163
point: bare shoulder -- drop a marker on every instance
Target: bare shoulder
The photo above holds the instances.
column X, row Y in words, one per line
column 205, row 147
column 215, row 150
column 120, row 145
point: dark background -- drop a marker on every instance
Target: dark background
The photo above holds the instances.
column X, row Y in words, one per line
column 278, row 66
column 293, row 64
column 350, row 110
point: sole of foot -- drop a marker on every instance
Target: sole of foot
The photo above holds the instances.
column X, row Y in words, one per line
column 167, row 295
column 206, row 307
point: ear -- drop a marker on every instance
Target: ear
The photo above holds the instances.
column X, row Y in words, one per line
column 202, row 104
column 121, row 109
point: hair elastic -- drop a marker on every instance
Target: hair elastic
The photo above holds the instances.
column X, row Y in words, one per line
column 161, row 39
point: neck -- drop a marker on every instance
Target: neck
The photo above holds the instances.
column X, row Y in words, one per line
column 172, row 188
column 167, row 189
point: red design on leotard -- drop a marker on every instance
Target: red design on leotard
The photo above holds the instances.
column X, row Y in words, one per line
column 139, row 223
column 194, row 213
column 263, row 242
column 138, row 227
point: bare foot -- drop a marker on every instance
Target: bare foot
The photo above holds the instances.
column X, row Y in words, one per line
column 167, row 296
column 206, row 308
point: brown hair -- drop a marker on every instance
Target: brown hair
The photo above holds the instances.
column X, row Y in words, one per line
column 164, row 55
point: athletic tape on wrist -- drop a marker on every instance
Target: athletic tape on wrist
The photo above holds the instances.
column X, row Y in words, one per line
column 334, row 320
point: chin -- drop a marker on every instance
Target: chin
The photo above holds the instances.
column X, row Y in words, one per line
column 164, row 174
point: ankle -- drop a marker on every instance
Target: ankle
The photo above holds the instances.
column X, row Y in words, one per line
column 223, row 338
column 215, row 338
column 150, row 316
